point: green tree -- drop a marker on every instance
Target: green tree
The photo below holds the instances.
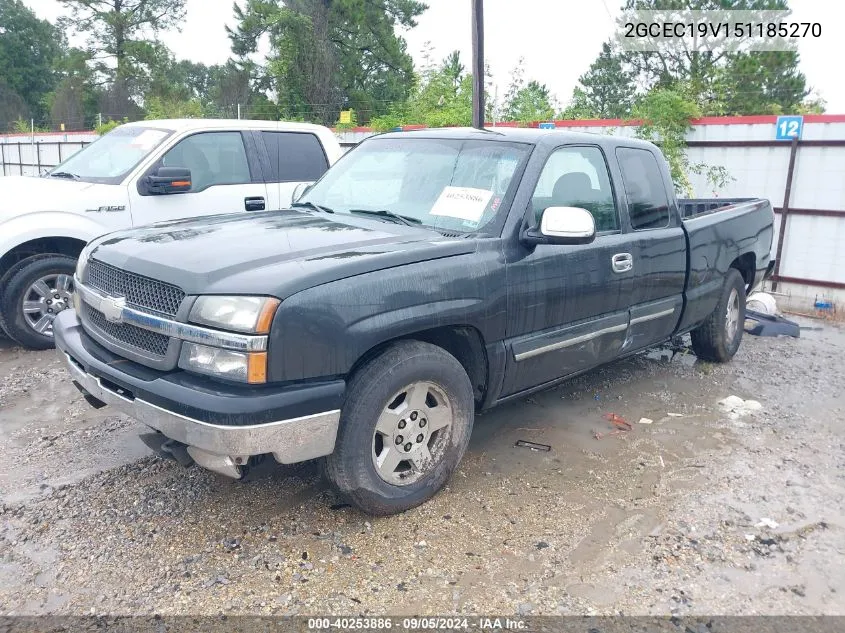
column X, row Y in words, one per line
column 526, row 102
column 759, row 83
column 29, row 48
column 665, row 116
column 121, row 36
column 453, row 68
column 719, row 79
column 532, row 102
column 164, row 108
column 607, row 89
column 74, row 101
column 328, row 55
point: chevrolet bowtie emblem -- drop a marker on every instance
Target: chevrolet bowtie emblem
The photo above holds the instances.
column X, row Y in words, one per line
column 112, row 308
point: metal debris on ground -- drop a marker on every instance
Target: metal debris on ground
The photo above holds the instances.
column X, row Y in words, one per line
column 534, row 446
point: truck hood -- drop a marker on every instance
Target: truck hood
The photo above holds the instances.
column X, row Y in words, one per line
column 27, row 194
column 277, row 253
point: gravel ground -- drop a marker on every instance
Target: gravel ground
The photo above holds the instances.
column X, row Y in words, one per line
column 704, row 511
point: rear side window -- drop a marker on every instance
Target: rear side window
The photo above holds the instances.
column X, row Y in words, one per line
column 295, row 156
column 648, row 203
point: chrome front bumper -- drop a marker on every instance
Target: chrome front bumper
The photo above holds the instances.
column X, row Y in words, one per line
column 221, row 448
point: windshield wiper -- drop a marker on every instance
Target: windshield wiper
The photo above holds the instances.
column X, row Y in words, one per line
column 384, row 213
column 311, row 205
column 63, row 174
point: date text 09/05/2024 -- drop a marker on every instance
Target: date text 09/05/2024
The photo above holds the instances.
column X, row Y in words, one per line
column 418, row 623
column 737, row 30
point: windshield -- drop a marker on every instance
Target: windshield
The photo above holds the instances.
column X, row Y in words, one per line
column 447, row 184
column 110, row 158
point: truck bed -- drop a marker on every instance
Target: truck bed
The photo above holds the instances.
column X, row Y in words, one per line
column 718, row 231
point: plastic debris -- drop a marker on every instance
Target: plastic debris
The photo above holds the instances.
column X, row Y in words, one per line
column 675, row 415
column 618, row 421
column 766, row 522
column 736, row 407
column 646, row 421
column 762, row 302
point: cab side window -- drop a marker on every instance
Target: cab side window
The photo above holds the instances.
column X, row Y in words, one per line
column 577, row 176
column 214, row 158
column 648, row 204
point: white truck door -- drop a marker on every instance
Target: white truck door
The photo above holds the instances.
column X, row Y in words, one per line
column 294, row 158
column 222, row 180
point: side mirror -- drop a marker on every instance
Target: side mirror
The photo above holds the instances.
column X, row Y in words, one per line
column 563, row 225
column 300, row 190
column 166, row 180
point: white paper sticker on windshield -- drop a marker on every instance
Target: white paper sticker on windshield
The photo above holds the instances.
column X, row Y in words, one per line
column 465, row 203
column 148, row 139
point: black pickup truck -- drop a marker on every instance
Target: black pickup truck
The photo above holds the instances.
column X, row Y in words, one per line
column 426, row 276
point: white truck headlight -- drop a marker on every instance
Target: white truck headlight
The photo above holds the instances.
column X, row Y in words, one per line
column 249, row 367
column 240, row 314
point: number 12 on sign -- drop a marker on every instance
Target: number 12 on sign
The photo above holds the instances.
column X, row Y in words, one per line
column 789, row 127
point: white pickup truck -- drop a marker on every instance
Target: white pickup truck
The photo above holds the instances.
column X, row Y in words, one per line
column 140, row 173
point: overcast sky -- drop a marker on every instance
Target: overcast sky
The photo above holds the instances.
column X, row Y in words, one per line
column 558, row 38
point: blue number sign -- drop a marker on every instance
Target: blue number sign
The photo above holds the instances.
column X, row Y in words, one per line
column 547, row 125
column 789, row 127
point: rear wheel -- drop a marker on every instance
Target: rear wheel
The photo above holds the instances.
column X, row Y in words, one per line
column 404, row 427
column 36, row 290
column 718, row 338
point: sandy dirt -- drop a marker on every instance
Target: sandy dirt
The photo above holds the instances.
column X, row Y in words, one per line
column 704, row 511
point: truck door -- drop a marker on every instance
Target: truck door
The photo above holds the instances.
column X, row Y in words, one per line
column 568, row 305
column 658, row 248
column 292, row 158
column 223, row 180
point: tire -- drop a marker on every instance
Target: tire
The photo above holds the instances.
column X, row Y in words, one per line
column 718, row 338
column 407, row 384
column 18, row 290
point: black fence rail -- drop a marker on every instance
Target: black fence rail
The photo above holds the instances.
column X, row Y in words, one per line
column 11, row 155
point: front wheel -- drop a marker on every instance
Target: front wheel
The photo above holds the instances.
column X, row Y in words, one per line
column 718, row 338
column 404, row 427
column 36, row 290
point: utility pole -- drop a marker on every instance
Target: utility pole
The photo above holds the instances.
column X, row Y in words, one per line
column 478, row 64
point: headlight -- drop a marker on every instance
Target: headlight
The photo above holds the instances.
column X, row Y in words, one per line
column 240, row 314
column 248, row 367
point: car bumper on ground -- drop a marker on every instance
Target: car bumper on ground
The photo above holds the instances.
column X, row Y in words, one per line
column 220, row 425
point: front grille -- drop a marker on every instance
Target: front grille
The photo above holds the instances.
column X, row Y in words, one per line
column 140, row 292
column 150, row 342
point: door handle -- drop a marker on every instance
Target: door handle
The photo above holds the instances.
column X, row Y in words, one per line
column 255, row 203
column 622, row 262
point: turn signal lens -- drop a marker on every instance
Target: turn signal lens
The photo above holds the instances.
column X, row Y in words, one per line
column 257, row 368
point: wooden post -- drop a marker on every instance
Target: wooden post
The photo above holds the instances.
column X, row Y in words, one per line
column 478, row 64
column 784, row 212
